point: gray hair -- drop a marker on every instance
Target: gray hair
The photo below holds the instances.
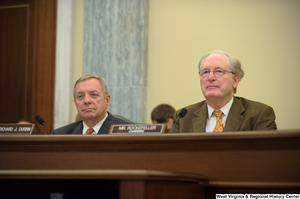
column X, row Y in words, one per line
column 235, row 65
column 91, row 76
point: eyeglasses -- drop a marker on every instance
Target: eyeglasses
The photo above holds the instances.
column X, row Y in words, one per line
column 217, row 72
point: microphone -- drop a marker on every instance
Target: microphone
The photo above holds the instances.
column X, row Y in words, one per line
column 181, row 114
column 41, row 121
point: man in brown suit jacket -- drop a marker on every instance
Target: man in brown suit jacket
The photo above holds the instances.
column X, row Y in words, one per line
column 220, row 74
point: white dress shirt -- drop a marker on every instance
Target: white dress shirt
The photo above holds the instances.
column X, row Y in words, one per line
column 96, row 127
column 212, row 120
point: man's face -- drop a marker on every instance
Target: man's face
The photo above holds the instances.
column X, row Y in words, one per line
column 90, row 101
column 168, row 124
column 220, row 88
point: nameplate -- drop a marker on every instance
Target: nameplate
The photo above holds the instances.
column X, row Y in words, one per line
column 137, row 128
column 17, row 129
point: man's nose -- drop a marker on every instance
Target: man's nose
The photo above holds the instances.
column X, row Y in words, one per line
column 211, row 75
column 87, row 99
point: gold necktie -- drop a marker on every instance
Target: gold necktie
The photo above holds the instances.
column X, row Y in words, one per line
column 90, row 131
column 219, row 125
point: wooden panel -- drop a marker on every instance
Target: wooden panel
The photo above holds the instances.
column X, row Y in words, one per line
column 16, row 61
column 45, row 60
column 27, row 60
column 131, row 184
column 132, row 190
column 233, row 161
column 173, row 190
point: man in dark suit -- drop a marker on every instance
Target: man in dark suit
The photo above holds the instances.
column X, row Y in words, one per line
column 220, row 75
column 91, row 98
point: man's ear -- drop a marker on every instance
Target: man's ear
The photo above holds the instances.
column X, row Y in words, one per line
column 236, row 79
column 107, row 100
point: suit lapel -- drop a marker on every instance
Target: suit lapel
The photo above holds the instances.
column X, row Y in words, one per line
column 78, row 128
column 235, row 117
column 106, row 124
column 199, row 122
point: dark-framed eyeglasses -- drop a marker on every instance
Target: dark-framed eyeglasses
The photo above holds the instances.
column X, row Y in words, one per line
column 217, row 72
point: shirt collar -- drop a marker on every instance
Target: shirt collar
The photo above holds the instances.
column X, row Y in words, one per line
column 225, row 109
column 96, row 127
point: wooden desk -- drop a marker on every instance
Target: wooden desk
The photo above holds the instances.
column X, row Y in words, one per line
column 121, row 184
column 237, row 162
